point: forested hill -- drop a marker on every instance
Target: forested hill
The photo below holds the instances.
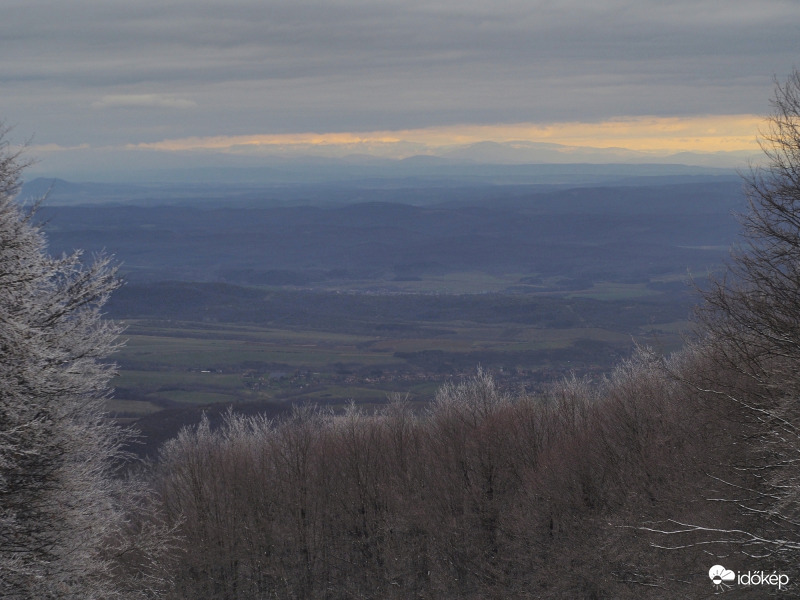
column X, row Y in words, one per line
column 549, row 239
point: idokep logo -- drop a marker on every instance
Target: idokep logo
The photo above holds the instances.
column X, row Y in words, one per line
column 722, row 578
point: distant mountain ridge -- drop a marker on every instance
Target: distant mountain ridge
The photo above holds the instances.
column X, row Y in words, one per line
column 596, row 233
column 526, row 152
column 296, row 181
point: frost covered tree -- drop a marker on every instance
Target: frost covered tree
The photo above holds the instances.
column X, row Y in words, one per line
column 752, row 317
column 58, row 500
column 756, row 307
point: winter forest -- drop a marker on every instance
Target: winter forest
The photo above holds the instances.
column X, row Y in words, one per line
column 630, row 487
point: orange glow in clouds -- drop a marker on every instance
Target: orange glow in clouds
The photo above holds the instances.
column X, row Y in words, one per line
column 657, row 135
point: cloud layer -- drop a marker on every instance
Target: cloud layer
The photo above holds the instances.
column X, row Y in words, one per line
column 202, row 68
column 142, row 101
column 658, row 135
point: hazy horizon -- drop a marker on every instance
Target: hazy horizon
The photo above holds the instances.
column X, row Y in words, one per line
column 97, row 90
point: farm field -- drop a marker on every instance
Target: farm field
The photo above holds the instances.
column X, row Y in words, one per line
column 171, row 363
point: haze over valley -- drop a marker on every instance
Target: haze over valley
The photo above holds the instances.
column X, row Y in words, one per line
column 263, row 295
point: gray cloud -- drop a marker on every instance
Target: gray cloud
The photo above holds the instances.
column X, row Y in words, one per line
column 327, row 65
column 142, row 101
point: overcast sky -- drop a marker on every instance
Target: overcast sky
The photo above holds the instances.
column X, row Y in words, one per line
column 87, row 78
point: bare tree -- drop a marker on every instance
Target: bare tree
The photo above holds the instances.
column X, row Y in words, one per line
column 755, row 307
column 752, row 318
column 59, row 504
